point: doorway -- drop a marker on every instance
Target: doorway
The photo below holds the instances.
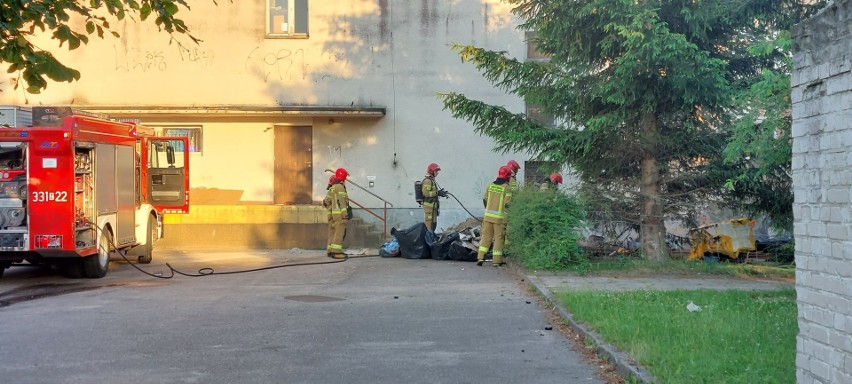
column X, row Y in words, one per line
column 293, row 164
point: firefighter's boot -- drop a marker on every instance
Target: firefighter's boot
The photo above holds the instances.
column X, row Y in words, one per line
column 497, row 260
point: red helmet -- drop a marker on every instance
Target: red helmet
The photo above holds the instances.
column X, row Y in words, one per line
column 341, row 174
column 433, row 169
column 513, row 165
column 504, row 172
column 555, row 177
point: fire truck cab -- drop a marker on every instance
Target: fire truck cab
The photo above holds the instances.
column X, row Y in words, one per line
column 77, row 190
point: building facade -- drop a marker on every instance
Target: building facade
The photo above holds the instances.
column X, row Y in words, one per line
column 822, row 181
column 279, row 91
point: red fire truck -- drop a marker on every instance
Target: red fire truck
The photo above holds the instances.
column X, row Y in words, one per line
column 76, row 190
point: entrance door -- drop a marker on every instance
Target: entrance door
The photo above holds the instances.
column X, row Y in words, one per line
column 293, row 164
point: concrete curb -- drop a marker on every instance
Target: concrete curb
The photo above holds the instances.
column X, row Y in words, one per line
column 624, row 365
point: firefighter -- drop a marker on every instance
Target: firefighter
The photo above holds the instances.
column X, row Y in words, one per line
column 327, row 204
column 552, row 182
column 431, row 192
column 513, row 181
column 513, row 187
column 494, row 224
column 339, row 202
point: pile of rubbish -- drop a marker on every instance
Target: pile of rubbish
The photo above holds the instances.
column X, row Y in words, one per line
column 418, row 242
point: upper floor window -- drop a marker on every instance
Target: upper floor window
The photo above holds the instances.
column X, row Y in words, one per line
column 287, row 18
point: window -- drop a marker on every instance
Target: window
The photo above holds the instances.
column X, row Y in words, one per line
column 535, row 172
column 532, row 50
column 193, row 133
column 287, row 18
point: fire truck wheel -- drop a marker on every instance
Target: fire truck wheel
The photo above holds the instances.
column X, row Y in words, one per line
column 147, row 253
column 96, row 266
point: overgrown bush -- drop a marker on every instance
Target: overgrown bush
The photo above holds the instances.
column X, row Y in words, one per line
column 542, row 230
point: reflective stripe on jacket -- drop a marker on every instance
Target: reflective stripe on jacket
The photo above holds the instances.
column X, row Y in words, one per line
column 495, row 202
column 430, row 191
column 339, row 200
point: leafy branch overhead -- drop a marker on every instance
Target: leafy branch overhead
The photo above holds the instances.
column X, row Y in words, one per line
column 22, row 20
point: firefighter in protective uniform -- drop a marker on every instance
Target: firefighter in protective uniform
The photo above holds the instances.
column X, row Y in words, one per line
column 494, row 223
column 513, row 188
column 327, row 204
column 339, row 202
column 552, row 182
column 513, row 181
column 431, row 192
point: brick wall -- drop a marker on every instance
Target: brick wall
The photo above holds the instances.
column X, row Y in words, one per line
column 822, row 182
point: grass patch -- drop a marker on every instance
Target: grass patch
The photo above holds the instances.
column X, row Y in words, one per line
column 627, row 266
column 737, row 337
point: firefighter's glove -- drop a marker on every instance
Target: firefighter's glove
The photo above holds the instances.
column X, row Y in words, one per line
column 442, row 193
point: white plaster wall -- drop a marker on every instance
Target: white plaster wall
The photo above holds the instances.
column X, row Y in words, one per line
column 367, row 53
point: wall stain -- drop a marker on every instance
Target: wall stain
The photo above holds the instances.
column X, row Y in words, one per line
column 384, row 21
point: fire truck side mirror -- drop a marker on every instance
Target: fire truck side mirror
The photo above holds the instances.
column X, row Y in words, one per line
column 170, row 156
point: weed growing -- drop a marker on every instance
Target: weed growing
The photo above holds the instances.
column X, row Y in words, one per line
column 541, row 230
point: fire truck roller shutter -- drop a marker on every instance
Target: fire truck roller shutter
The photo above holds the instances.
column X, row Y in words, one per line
column 115, row 180
column 105, row 179
column 125, row 184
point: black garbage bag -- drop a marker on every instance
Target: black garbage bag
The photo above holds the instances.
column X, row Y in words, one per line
column 412, row 241
column 441, row 248
column 459, row 252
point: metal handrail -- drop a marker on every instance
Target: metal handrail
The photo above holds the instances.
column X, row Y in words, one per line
column 384, row 217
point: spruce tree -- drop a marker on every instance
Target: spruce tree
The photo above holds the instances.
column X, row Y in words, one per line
column 642, row 91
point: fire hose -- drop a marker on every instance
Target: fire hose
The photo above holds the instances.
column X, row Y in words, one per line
column 207, row 271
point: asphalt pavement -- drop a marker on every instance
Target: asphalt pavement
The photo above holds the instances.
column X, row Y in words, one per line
column 364, row 320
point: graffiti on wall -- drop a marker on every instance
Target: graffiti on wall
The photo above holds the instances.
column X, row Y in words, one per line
column 288, row 64
column 335, row 152
column 282, row 64
column 134, row 60
column 137, row 60
column 481, row 184
column 196, row 55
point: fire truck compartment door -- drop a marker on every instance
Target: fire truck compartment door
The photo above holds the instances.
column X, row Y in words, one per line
column 167, row 173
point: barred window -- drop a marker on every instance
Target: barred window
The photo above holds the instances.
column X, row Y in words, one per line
column 193, row 133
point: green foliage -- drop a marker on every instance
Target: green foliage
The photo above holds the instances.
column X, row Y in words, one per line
column 737, row 337
column 643, row 93
column 20, row 20
column 759, row 151
column 542, row 230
